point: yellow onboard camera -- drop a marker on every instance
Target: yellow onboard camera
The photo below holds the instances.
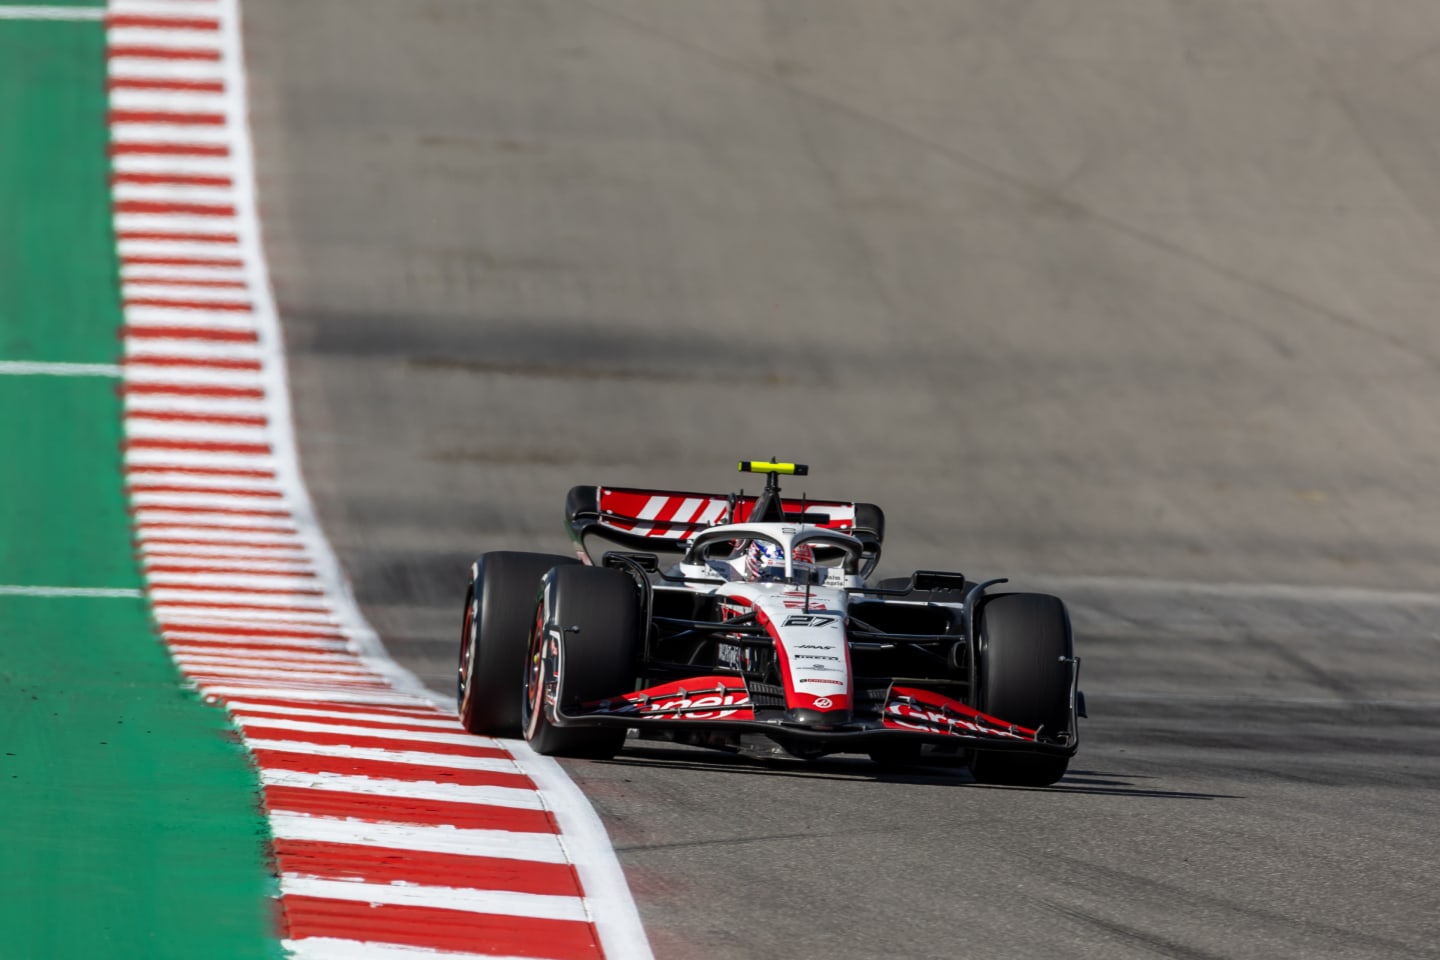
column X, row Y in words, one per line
column 761, row 466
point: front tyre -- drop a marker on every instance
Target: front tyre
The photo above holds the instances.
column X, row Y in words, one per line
column 498, row 605
column 1024, row 677
column 584, row 641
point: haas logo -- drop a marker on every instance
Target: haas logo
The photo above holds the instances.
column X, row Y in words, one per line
column 822, row 703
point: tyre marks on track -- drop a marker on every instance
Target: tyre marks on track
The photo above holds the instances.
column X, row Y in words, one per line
column 395, row 832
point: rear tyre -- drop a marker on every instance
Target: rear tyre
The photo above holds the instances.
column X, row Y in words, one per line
column 498, row 606
column 584, row 640
column 1024, row 677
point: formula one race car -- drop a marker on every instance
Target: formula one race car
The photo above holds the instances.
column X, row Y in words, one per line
column 762, row 637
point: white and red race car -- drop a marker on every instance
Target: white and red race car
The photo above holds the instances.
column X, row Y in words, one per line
column 763, row 637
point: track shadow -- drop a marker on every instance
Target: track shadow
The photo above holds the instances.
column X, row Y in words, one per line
column 1084, row 782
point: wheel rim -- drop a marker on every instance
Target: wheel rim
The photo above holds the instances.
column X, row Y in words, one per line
column 539, row 674
column 467, row 649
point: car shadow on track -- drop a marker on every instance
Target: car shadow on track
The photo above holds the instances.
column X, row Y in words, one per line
column 683, row 759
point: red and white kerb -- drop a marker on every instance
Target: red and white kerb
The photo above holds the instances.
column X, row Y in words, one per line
column 396, row 833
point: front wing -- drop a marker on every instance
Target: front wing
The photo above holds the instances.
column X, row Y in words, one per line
column 900, row 710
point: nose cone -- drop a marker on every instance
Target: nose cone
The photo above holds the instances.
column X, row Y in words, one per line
column 819, row 719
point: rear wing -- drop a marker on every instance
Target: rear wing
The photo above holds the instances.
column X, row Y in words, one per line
column 664, row 521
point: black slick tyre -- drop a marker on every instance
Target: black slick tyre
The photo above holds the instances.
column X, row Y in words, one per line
column 499, row 604
column 1024, row 677
column 584, row 640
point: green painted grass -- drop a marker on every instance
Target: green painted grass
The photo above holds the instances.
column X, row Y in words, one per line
column 58, row 274
column 63, row 520
column 130, row 825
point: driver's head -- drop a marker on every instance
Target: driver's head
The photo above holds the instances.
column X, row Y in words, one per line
column 766, row 561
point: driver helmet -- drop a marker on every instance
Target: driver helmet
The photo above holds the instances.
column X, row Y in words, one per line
column 766, row 561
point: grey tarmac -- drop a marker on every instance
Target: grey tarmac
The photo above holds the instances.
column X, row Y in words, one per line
column 1129, row 299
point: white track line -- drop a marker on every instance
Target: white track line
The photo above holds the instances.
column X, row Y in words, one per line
column 26, row 368
column 52, row 13
column 115, row 593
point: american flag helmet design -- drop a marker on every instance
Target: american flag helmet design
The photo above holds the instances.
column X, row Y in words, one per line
column 766, row 561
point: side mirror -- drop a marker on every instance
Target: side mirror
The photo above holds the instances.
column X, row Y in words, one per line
column 648, row 562
column 719, row 550
column 937, row 580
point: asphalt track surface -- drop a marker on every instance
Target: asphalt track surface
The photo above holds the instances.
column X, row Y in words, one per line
column 1117, row 295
